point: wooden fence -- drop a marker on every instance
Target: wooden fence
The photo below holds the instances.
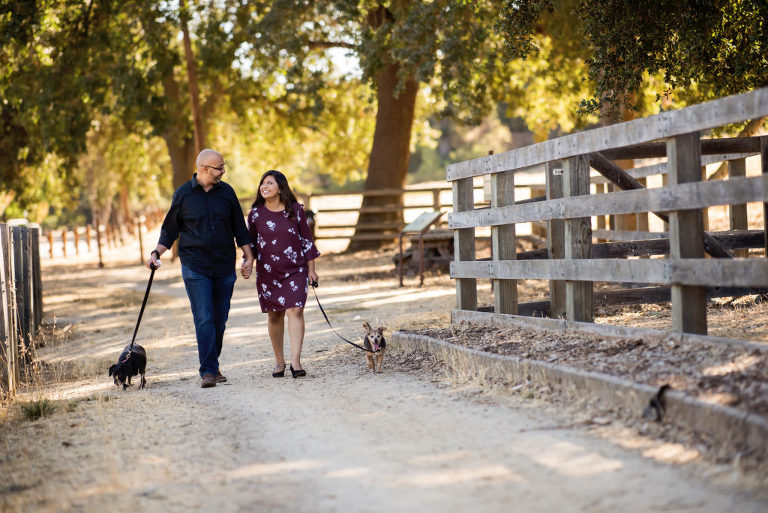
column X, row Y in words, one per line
column 21, row 300
column 572, row 262
column 72, row 241
column 336, row 214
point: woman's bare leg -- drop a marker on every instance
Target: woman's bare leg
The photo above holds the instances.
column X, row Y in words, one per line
column 276, row 329
column 296, row 333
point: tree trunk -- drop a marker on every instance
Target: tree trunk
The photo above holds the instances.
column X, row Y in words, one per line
column 391, row 151
column 182, row 153
column 125, row 207
column 194, row 96
column 5, row 200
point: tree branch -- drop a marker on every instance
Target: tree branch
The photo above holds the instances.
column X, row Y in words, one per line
column 318, row 45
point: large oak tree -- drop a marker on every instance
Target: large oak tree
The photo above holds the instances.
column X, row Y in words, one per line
column 400, row 46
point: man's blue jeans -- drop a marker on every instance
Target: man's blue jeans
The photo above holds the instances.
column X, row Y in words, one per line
column 209, row 299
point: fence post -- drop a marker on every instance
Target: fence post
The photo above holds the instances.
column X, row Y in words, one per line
column 19, row 265
column 27, row 278
column 139, row 222
column 738, row 213
column 76, row 232
column 464, row 244
column 503, row 242
column 578, row 239
column 13, row 316
column 98, row 244
column 556, row 238
column 64, row 241
column 50, row 243
column 37, row 277
column 642, row 217
column 7, row 338
column 600, row 188
column 764, row 171
column 686, row 234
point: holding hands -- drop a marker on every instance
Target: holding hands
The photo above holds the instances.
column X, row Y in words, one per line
column 247, row 267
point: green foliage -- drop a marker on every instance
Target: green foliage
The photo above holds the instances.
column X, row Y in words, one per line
column 545, row 89
column 519, row 22
column 446, row 44
column 91, row 88
column 707, row 48
column 50, row 80
column 722, row 45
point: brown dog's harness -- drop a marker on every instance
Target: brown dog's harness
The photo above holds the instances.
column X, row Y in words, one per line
column 314, row 286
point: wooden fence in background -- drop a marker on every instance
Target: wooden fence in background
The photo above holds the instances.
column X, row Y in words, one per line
column 335, row 214
column 21, row 300
column 571, row 261
column 71, row 241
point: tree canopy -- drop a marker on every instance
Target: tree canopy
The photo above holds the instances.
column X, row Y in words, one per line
column 710, row 48
column 333, row 87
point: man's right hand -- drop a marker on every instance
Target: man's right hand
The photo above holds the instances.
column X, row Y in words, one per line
column 154, row 260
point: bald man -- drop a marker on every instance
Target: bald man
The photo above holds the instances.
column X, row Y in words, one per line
column 206, row 217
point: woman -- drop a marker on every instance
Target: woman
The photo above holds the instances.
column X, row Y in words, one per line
column 285, row 259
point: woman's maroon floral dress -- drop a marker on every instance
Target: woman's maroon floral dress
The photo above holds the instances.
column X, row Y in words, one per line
column 282, row 247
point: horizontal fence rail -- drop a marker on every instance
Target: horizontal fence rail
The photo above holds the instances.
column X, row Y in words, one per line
column 661, row 169
column 330, row 221
column 704, row 116
column 677, row 197
column 689, row 271
column 571, row 261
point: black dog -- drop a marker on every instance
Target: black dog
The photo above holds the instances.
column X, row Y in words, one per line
column 132, row 361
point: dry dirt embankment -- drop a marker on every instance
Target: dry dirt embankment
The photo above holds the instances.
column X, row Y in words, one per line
column 414, row 438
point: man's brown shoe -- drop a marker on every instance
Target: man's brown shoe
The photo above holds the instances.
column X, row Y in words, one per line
column 209, row 380
column 220, row 378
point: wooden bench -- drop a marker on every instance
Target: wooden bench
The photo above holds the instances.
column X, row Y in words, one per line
column 418, row 226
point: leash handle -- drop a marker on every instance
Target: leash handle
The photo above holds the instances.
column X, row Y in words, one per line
column 143, row 303
column 314, row 286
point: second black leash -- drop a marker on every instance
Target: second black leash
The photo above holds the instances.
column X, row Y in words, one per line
column 143, row 304
column 314, row 286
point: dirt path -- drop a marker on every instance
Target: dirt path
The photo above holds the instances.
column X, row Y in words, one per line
column 340, row 440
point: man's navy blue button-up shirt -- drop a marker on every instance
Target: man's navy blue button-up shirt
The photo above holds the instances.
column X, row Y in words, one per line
column 205, row 224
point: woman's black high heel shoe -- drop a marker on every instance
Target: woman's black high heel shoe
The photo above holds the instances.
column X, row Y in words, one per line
column 279, row 374
column 297, row 373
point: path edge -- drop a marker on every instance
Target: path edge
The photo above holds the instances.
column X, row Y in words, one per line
column 731, row 430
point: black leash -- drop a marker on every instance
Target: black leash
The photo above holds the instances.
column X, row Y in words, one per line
column 143, row 304
column 314, row 286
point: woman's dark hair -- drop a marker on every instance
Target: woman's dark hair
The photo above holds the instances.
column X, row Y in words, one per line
column 286, row 194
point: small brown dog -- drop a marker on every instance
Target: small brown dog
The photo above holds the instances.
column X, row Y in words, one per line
column 375, row 344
